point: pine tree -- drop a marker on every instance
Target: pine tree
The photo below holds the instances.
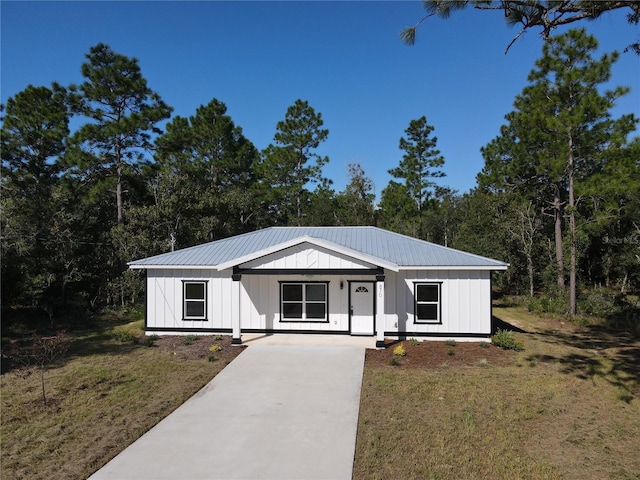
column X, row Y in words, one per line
column 420, row 163
column 291, row 164
column 557, row 138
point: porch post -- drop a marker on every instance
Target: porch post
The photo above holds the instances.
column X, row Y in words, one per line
column 235, row 309
column 380, row 316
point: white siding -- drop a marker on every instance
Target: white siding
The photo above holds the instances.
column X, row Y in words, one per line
column 465, row 302
column 306, row 255
column 259, row 300
column 164, row 298
column 465, row 298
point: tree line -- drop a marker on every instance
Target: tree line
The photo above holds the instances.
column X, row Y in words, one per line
column 558, row 197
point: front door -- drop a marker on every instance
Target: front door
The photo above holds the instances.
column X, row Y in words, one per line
column 362, row 308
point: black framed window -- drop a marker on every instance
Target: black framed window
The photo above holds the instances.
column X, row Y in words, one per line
column 427, row 303
column 304, row 302
column 194, row 294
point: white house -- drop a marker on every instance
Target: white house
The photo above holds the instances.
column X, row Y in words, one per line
column 338, row 280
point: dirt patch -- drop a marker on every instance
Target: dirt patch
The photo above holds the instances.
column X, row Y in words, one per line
column 446, row 354
column 191, row 347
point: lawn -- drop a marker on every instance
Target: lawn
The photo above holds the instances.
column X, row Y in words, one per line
column 567, row 406
column 105, row 394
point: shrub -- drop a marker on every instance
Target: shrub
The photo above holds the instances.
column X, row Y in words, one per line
column 215, row 348
column 414, row 342
column 217, row 338
column 189, row 339
column 553, row 304
column 394, row 361
column 450, row 343
column 212, row 358
column 125, row 336
column 399, row 351
column 450, row 352
column 150, row 340
column 505, row 339
column 484, row 344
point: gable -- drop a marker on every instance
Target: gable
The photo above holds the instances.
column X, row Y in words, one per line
column 307, row 256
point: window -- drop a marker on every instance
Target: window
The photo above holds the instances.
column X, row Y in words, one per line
column 195, row 300
column 304, row 302
column 427, row 296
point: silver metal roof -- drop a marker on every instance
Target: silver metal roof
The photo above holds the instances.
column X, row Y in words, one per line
column 390, row 247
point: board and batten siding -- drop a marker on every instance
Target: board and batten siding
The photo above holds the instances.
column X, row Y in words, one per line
column 260, row 302
column 465, row 296
column 165, row 298
column 465, row 302
column 306, row 256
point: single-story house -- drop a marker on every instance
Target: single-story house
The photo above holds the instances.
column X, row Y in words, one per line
column 330, row 280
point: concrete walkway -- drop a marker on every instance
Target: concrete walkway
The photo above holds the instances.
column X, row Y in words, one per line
column 276, row 412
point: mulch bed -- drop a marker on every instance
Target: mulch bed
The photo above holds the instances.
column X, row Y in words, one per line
column 189, row 347
column 428, row 354
column 433, row 355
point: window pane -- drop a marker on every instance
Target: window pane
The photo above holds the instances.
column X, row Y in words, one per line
column 291, row 293
column 315, row 293
column 427, row 311
column 427, row 293
column 292, row 310
column 316, row 310
column 194, row 291
column 194, row 309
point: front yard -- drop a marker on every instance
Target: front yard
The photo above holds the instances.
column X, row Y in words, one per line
column 567, row 406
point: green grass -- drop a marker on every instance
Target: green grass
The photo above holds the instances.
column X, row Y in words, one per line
column 560, row 410
column 103, row 396
column 567, row 407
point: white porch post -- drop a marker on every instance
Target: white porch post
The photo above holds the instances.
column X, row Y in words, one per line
column 380, row 316
column 236, row 338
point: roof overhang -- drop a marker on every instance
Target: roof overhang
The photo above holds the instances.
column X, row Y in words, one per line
column 483, row 268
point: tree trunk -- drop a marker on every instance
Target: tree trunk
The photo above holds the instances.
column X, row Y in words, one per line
column 572, row 233
column 557, row 208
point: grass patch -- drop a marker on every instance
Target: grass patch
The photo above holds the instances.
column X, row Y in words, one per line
column 101, row 398
column 574, row 415
column 505, row 339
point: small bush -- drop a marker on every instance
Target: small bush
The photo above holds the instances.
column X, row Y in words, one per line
column 484, row 344
column 150, row 340
column 189, row 339
column 126, row 336
column 212, row 358
column 450, row 352
column 217, row 338
column 394, row 361
column 414, row 342
column 551, row 304
column 505, row 339
column 450, row 343
column 399, row 351
column 215, row 348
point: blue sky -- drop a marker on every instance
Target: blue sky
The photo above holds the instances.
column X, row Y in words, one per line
column 345, row 58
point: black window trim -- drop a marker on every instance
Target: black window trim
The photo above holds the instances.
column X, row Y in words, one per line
column 184, row 300
column 304, row 320
column 416, row 320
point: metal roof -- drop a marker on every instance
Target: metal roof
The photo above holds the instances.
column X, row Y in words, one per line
column 375, row 243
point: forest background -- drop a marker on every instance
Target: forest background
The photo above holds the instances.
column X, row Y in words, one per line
column 99, row 173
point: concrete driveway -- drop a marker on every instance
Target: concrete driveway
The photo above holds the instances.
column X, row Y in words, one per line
column 275, row 412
